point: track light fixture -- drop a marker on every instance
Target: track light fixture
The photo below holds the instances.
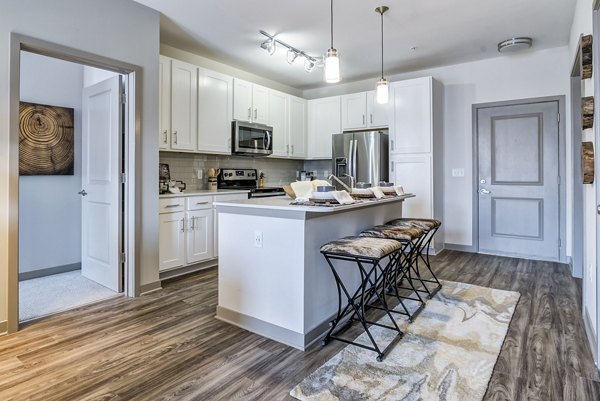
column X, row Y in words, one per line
column 293, row 53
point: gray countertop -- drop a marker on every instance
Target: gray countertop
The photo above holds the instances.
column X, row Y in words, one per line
column 204, row 192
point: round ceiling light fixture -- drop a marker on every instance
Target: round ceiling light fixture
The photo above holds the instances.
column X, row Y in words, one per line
column 514, row 44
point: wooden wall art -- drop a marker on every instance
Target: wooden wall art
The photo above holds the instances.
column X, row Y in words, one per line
column 46, row 142
column 585, row 45
column 587, row 162
column 587, row 112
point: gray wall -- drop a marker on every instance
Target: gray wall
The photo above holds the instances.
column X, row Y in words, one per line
column 49, row 206
column 119, row 29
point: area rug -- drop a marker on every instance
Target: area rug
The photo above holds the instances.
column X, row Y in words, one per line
column 447, row 354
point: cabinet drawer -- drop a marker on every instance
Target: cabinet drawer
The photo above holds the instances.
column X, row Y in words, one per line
column 199, row 202
column 170, row 205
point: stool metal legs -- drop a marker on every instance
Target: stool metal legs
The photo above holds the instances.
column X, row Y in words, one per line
column 423, row 247
column 374, row 278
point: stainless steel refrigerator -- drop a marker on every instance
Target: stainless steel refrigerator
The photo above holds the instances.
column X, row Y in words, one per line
column 362, row 155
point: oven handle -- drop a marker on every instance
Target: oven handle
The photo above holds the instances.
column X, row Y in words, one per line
column 266, row 195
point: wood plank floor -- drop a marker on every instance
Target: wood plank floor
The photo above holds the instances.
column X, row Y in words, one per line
column 169, row 346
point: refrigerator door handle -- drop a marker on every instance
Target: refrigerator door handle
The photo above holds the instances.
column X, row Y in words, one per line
column 351, row 157
column 354, row 157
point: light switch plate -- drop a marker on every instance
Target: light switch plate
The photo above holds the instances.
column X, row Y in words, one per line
column 458, row 172
column 199, row 173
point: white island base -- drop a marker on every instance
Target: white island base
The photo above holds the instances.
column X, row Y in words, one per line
column 273, row 280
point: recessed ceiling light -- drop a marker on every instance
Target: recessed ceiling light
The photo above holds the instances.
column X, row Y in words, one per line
column 514, row 44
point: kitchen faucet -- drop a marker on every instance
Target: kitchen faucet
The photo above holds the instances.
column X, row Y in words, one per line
column 342, row 183
column 352, row 180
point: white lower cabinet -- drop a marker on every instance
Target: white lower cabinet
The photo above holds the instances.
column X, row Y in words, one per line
column 188, row 229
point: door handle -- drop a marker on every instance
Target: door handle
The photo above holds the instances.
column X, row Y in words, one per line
column 193, row 224
column 484, row 191
column 165, row 134
column 598, row 209
column 255, row 113
column 183, row 225
column 363, row 119
column 175, row 137
column 371, row 118
column 249, row 113
column 287, row 149
column 292, row 149
column 82, row 192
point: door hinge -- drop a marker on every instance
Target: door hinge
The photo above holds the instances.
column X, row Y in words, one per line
column 123, row 98
column 122, row 178
column 122, row 257
column 558, row 117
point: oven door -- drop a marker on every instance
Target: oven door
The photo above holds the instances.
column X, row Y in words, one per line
column 254, row 139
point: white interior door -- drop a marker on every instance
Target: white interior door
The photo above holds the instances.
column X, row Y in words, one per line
column 101, row 211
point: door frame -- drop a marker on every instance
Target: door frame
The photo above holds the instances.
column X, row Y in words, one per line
column 576, row 135
column 562, row 197
column 132, row 146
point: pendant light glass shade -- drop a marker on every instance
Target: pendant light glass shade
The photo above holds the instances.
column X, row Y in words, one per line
column 382, row 94
column 332, row 67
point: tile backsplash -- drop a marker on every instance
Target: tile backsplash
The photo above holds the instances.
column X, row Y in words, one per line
column 184, row 166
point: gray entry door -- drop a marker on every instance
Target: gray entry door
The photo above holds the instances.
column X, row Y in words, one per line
column 519, row 180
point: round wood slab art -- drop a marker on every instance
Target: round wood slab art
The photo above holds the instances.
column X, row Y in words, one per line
column 45, row 140
column 587, row 162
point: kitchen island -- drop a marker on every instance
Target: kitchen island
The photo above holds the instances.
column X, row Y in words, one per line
column 273, row 280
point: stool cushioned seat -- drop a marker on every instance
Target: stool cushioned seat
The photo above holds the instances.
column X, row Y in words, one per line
column 423, row 224
column 398, row 233
column 362, row 246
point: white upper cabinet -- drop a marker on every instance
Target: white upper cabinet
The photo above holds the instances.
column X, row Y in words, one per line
column 297, row 127
column 354, row 111
column 184, row 110
column 250, row 102
column 378, row 115
column 412, row 117
column 164, row 98
column 278, row 119
column 260, row 104
column 324, row 120
column 215, row 93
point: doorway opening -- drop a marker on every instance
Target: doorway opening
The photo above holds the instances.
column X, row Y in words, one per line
column 70, row 126
column 112, row 215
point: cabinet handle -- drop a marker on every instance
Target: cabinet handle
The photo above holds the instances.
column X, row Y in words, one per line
column 371, row 118
column 165, row 134
column 229, row 144
column 249, row 113
column 201, row 203
column 175, row 137
column 287, row 149
column 183, row 225
column 363, row 119
column 392, row 164
column 193, row 224
column 292, row 149
column 255, row 113
column 173, row 205
column 392, row 144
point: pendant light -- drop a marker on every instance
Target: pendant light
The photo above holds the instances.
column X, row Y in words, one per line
column 382, row 93
column 332, row 62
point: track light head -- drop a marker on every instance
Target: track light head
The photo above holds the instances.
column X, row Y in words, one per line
column 291, row 56
column 269, row 46
column 309, row 65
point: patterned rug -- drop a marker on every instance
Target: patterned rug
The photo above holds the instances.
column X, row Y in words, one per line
column 448, row 353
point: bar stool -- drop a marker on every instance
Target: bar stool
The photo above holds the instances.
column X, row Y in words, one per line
column 368, row 254
column 408, row 237
column 429, row 227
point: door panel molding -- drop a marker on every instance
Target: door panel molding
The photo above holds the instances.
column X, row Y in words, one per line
column 560, row 100
column 539, row 204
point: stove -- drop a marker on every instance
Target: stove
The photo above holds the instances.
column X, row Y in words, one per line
column 245, row 179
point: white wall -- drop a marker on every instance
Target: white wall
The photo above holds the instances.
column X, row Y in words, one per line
column 92, row 76
column 583, row 25
column 118, row 29
column 49, row 206
column 519, row 76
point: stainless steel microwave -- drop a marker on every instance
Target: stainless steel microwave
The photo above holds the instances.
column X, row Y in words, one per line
column 252, row 139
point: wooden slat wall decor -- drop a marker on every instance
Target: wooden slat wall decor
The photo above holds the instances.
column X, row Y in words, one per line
column 587, row 112
column 46, row 140
column 587, row 162
column 585, row 44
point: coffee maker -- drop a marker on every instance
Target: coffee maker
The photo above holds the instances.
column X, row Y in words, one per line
column 164, row 176
column 212, row 174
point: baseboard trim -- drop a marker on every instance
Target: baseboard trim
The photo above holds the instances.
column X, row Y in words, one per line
column 180, row 271
column 3, row 327
column 49, row 271
column 460, row 248
column 150, row 287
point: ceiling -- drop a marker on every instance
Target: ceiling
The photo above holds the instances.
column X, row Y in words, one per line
column 442, row 32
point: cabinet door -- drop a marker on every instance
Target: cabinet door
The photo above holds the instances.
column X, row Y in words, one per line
column 278, row 119
column 214, row 112
column 200, row 238
column 184, row 105
column 297, row 127
column 242, row 100
column 354, row 111
column 164, row 99
column 411, row 128
column 324, row 120
column 171, row 243
column 414, row 174
column 260, row 104
column 377, row 114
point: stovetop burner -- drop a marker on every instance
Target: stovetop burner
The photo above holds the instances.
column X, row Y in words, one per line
column 245, row 179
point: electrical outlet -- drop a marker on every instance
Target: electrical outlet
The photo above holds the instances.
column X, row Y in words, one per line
column 458, row 172
column 258, row 239
column 199, row 173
